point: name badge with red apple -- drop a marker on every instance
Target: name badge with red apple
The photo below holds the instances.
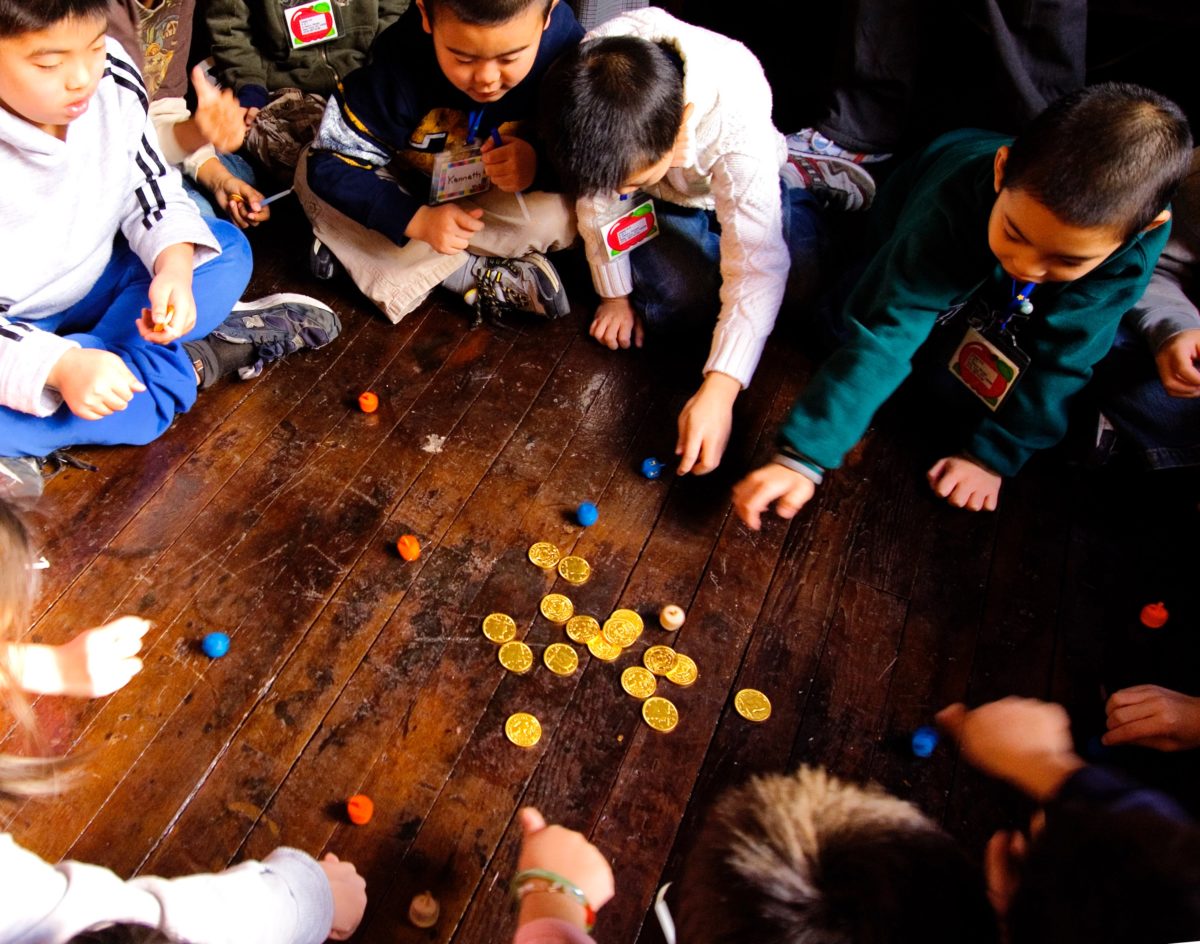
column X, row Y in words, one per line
column 988, row 367
column 310, row 23
column 628, row 229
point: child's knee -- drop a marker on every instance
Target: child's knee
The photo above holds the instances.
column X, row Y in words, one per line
column 236, row 256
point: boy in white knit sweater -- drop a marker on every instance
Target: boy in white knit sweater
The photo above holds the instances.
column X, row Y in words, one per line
column 649, row 103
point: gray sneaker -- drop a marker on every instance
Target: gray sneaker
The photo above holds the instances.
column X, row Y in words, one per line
column 529, row 283
column 278, row 325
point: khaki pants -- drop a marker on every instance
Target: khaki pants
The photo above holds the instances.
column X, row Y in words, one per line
column 399, row 278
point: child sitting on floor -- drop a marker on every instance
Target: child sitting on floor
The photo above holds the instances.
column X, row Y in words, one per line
column 288, row 898
column 1024, row 255
column 451, row 89
column 652, row 103
column 112, row 282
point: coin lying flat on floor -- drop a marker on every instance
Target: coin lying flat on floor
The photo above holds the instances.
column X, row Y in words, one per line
column 560, row 658
column 752, row 704
column 583, row 629
column 638, row 682
column 574, row 570
column 544, row 554
column 684, row 672
column 659, row 659
column 602, row 649
column 516, row 657
column 660, row 714
column 557, row 608
column 499, row 627
column 523, row 729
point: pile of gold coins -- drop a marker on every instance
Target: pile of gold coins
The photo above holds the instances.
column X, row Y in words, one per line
column 606, row 642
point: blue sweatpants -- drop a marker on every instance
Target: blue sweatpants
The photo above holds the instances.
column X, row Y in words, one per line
column 104, row 319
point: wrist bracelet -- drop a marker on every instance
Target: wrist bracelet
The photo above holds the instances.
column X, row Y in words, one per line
column 541, row 880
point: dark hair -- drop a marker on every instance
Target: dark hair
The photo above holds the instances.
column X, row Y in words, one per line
column 121, row 934
column 485, row 12
column 806, row 858
column 610, row 108
column 18, row 17
column 1108, row 155
column 1101, row 877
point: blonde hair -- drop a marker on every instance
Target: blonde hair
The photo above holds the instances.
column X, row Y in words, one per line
column 27, row 774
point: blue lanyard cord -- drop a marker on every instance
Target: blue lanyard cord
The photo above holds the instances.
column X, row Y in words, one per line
column 473, row 122
column 1020, row 302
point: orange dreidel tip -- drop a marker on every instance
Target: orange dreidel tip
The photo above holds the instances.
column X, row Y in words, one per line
column 1154, row 615
column 360, row 809
column 409, row 547
column 368, row 402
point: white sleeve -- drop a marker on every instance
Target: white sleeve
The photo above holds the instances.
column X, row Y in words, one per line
column 27, row 354
column 611, row 278
column 165, row 114
column 284, row 899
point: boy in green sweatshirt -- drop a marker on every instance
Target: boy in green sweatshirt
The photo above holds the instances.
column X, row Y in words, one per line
column 1008, row 265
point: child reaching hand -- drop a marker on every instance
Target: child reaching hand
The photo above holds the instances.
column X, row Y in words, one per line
column 288, row 898
column 1015, row 261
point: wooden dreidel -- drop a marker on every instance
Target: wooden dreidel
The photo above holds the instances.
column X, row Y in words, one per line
column 424, row 910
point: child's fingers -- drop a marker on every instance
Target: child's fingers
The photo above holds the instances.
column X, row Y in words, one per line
column 935, row 473
column 531, row 820
column 639, row 332
column 950, row 719
column 204, row 90
column 1135, row 731
column 688, row 449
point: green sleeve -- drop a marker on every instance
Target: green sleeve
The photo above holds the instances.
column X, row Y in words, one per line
column 238, row 61
column 1076, row 330
column 916, row 275
column 390, row 11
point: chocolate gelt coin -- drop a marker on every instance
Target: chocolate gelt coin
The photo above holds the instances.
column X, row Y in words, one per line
column 660, row 714
column 557, row 608
column 544, row 554
column 752, row 704
column 631, row 615
column 684, row 672
column 620, row 632
column 560, row 658
column 638, row 682
column 523, row 729
column 659, row 659
column 574, row 570
column 583, row 629
column 499, row 627
column 602, row 649
column 516, row 657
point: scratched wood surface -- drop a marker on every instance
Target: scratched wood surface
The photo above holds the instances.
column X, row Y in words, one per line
column 270, row 513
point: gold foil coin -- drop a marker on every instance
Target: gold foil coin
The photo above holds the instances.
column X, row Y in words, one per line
column 523, row 729
column 574, row 570
column 630, row 615
column 583, row 629
column 638, row 682
column 659, row 659
column 620, row 632
column 684, row 672
column 544, row 554
column 499, row 627
column 660, row 714
column 602, row 649
column 516, row 657
column 557, row 608
column 752, row 704
column 560, row 658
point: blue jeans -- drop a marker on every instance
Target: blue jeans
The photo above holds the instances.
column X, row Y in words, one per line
column 104, row 320
column 236, row 165
column 677, row 275
column 1164, row 429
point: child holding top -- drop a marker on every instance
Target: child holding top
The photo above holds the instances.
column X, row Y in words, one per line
column 1023, row 255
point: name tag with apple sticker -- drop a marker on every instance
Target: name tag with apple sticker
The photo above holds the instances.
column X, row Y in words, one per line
column 988, row 367
column 458, row 173
column 628, row 229
column 310, row 23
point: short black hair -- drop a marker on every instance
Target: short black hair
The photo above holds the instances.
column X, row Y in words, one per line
column 809, row 858
column 610, row 108
column 18, row 17
column 1102, row 877
column 485, row 12
column 1111, row 154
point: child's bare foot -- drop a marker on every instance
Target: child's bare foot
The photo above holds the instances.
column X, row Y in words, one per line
column 965, row 484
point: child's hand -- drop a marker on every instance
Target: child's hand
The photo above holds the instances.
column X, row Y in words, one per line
column 218, row 116
column 172, row 305
column 511, row 166
column 1002, row 861
column 96, row 662
column 349, row 896
column 705, row 422
column 777, row 483
column 1151, row 716
column 566, row 853
column 447, row 228
column 241, row 201
column 93, row 383
column 1176, row 361
column 616, row 324
column 965, row 484
column 1022, row 740
column 251, row 114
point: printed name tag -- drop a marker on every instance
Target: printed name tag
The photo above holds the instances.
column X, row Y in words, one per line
column 629, row 230
column 985, row 370
column 457, row 174
column 310, row 23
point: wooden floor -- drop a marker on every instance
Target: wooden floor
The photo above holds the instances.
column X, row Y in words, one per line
column 270, row 513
